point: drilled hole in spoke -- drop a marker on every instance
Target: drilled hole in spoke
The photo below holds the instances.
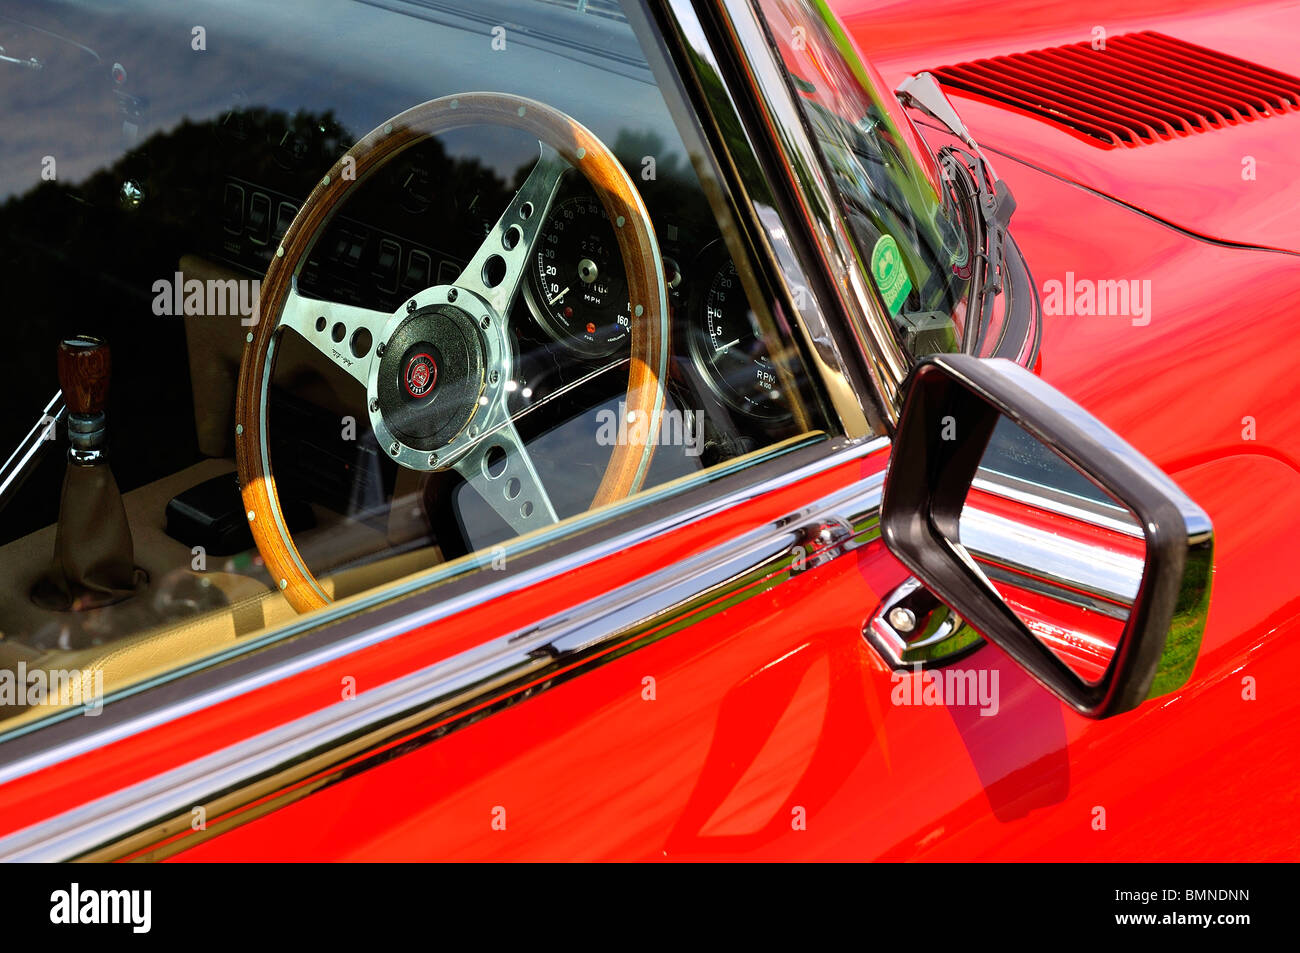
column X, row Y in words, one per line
column 526, row 211
column 361, row 342
column 494, row 462
column 338, row 332
column 526, row 510
column 320, row 323
column 513, row 486
column 494, row 271
column 513, row 236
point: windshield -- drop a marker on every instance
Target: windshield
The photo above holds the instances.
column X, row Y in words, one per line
column 907, row 229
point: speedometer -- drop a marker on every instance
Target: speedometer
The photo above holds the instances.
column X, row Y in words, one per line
column 577, row 284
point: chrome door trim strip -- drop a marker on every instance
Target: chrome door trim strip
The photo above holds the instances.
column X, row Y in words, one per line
column 1044, row 555
column 375, row 617
column 1057, row 501
column 141, row 816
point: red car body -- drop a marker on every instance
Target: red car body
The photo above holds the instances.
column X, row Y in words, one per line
column 766, row 729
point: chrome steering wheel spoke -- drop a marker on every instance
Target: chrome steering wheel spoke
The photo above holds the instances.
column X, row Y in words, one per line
column 498, row 467
column 498, row 266
column 344, row 333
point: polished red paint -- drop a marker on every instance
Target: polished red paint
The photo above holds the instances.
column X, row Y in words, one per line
column 44, row 793
column 775, row 730
column 756, row 719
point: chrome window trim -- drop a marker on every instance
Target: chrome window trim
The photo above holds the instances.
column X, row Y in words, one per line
column 22, row 462
column 856, row 299
column 710, row 70
column 771, row 248
column 138, row 817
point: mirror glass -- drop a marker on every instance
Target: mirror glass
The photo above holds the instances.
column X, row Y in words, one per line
column 1065, row 555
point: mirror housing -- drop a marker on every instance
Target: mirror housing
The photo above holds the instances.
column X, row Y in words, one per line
column 952, row 404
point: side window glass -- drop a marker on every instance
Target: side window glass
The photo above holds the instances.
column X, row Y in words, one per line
column 286, row 333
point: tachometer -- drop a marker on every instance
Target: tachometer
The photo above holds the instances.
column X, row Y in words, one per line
column 728, row 346
column 577, row 286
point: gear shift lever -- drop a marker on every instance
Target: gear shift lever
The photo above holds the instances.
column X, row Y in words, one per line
column 84, row 366
column 94, row 559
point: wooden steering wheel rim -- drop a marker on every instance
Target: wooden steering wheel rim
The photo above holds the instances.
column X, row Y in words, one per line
column 630, row 460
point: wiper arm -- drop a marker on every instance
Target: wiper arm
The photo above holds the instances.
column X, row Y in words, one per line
column 923, row 92
column 993, row 197
column 31, row 63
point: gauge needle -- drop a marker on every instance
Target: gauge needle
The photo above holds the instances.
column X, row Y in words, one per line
column 722, row 347
column 558, row 297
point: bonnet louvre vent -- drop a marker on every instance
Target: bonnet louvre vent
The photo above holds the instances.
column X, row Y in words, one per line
column 1142, row 88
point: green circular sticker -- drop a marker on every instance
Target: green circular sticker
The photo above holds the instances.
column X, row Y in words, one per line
column 890, row 273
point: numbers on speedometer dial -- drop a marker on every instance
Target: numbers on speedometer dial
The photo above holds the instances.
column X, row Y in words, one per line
column 578, row 286
column 730, row 350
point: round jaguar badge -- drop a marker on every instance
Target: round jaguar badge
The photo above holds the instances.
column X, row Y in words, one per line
column 420, row 374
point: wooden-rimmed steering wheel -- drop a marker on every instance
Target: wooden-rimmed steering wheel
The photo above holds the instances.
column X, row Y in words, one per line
column 436, row 370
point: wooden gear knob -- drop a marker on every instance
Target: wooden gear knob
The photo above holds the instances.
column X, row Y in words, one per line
column 84, row 365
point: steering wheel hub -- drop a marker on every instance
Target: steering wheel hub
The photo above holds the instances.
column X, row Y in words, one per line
column 444, row 360
column 431, row 375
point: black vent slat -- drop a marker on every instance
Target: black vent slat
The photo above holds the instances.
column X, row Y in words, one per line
column 1127, row 84
column 1139, row 107
column 1110, row 88
column 1191, row 87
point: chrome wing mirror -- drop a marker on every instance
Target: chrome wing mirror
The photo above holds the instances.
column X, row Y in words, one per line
column 1047, row 533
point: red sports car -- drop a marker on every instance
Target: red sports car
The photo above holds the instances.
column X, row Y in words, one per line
column 649, row 429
